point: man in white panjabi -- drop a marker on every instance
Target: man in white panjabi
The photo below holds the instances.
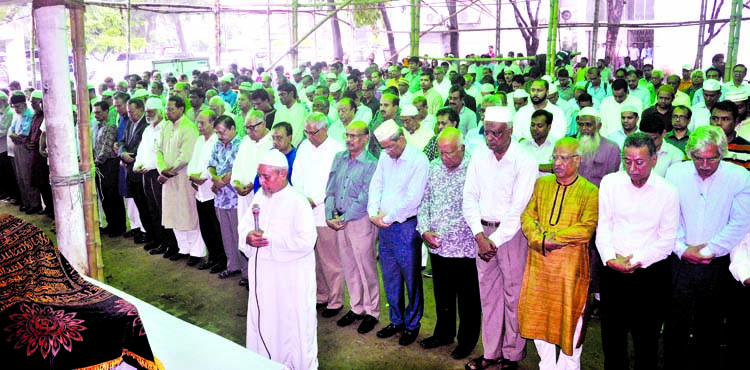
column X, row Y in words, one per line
column 253, row 145
column 281, row 316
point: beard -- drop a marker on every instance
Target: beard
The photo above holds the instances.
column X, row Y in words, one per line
column 538, row 100
column 588, row 145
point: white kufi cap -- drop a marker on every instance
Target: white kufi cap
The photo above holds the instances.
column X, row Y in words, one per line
column 274, row 158
column 386, row 130
column 497, row 114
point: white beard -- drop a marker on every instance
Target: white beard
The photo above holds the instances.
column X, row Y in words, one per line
column 588, row 145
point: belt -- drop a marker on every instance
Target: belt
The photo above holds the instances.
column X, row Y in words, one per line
column 490, row 223
column 407, row 220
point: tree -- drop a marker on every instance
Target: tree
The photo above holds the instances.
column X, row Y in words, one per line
column 453, row 27
column 106, row 32
column 528, row 26
column 708, row 32
column 614, row 15
column 389, row 32
column 338, row 49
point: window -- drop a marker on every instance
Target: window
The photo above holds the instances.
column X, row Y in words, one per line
column 638, row 10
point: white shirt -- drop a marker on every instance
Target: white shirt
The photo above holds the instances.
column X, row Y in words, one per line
column 397, row 185
column 610, row 112
column 618, row 137
column 312, row 165
column 522, row 122
column 405, row 99
column 199, row 165
column 146, row 157
column 467, row 120
column 668, row 155
column 337, row 131
column 641, row 222
column 443, row 88
column 541, row 153
column 420, row 137
column 498, row 190
column 429, row 121
column 296, row 117
column 248, row 155
column 701, row 116
column 740, row 255
column 364, row 114
column 473, row 139
column 642, row 94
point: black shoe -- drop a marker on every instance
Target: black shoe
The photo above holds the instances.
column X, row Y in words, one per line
column 367, row 324
column 390, row 330
column 162, row 248
column 408, row 337
column 218, row 268
column 461, row 352
column 320, row 306
column 434, row 342
column 207, row 265
column 243, row 282
column 192, row 261
column 349, row 319
column 151, row 245
column 427, row 273
column 171, row 252
column 33, row 210
column 131, row 233
column 226, row 274
column 140, row 238
column 331, row 312
column 510, row 365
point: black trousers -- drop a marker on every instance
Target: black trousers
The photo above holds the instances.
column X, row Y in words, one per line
column 738, row 324
column 211, row 231
column 698, row 300
column 634, row 303
column 9, row 186
column 112, row 202
column 456, row 280
column 151, row 189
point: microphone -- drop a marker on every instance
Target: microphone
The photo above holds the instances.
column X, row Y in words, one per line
column 256, row 213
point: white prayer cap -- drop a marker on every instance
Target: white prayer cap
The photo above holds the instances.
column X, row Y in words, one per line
column 36, row 94
column 331, row 75
column 736, row 96
column 547, row 78
column 108, row 93
column 687, row 67
column 452, row 68
column 154, row 103
column 520, row 94
column 472, row 69
column 629, row 108
column 335, row 87
column 488, row 88
column 711, row 85
column 246, row 86
column 139, row 93
column 498, row 114
column 306, row 74
column 403, row 81
column 682, row 99
column 392, row 68
column 409, row 111
column 310, row 89
column 227, row 78
column 274, row 158
column 552, row 88
column 404, row 71
column 589, row 111
column 386, row 130
column 297, row 71
column 3, row 96
column 257, row 86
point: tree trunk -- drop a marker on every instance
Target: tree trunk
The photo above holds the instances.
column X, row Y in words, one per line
column 453, row 27
column 529, row 28
column 180, row 34
column 338, row 49
column 614, row 15
column 389, row 32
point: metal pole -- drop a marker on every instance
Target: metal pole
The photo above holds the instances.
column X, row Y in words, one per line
column 217, row 21
column 33, row 52
column 76, row 241
column 594, row 34
column 552, row 36
column 295, row 32
column 322, row 22
column 497, row 32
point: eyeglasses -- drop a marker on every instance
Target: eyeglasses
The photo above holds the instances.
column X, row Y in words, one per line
column 252, row 127
column 312, row 133
column 562, row 158
column 496, row 134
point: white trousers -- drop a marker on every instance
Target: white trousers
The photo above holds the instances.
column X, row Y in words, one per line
column 190, row 242
column 548, row 353
column 133, row 216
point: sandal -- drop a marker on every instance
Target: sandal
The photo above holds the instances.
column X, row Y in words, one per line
column 481, row 363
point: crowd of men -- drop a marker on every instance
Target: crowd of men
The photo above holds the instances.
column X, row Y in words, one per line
column 541, row 201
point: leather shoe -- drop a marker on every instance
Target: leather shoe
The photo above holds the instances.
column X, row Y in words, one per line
column 192, row 261
column 151, row 245
column 461, row 352
column 408, row 337
column 434, row 342
column 320, row 306
column 243, row 282
column 331, row 312
column 207, row 265
column 367, row 324
column 140, row 238
column 162, row 248
column 131, row 233
column 390, row 330
column 218, row 268
column 349, row 319
column 171, row 251
column 226, row 273
column 176, row 256
column 33, row 210
column 510, row 365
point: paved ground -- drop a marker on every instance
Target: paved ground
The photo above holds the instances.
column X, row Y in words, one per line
column 220, row 305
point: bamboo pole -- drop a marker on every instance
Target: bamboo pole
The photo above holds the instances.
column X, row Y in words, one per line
column 322, row 22
column 497, row 23
column 734, row 39
column 552, row 36
column 295, row 32
column 701, row 36
column 415, row 25
column 594, row 34
column 268, row 30
column 72, row 240
column 33, row 53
